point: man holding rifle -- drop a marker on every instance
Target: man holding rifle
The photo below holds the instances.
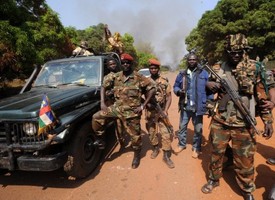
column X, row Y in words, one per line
column 157, row 114
column 240, row 88
column 189, row 86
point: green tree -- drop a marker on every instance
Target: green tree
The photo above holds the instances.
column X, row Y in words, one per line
column 31, row 33
column 143, row 59
column 254, row 18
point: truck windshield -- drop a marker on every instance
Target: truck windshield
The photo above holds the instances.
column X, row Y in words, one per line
column 86, row 72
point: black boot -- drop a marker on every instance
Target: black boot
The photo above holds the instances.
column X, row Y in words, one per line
column 136, row 159
column 167, row 160
column 99, row 142
column 155, row 152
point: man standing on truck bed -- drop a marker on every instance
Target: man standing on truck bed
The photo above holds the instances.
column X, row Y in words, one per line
column 128, row 86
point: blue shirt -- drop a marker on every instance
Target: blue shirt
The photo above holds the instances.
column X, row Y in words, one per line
column 195, row 90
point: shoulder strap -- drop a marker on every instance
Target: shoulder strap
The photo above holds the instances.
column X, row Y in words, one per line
column 229, row 76
column 261, row 71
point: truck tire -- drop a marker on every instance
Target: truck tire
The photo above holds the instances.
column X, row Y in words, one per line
column 83, row 157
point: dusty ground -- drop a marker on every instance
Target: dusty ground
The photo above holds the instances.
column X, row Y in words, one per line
column 115, row 180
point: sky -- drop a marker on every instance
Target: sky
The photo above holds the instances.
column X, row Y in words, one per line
column 164, row 24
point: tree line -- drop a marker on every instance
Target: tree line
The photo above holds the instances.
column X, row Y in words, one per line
column 32, row 33
column 254, row 18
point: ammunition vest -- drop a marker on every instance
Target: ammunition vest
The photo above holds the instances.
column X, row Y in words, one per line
column 242, row 80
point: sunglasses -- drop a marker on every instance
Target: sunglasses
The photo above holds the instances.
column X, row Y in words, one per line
column 125, row 62
column 235, row 52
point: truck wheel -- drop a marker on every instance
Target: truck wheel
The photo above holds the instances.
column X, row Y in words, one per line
column 83, row 157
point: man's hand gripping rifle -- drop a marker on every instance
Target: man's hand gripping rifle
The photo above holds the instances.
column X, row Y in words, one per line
column 163, row 116
column 234, row 96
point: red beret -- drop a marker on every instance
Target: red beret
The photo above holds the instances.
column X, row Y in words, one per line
column 153, row 61
column 126, row 56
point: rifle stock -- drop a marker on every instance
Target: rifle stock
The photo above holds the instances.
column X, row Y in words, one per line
column 234, row 96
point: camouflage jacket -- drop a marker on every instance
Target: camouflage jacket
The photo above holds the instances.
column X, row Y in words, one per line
column 128, row 91
column 109, row 92
column 163, row 88
column 81, row 51
column 251, row 88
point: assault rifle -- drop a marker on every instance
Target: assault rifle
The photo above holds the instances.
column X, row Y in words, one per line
column 164, row 117
column 235, row 97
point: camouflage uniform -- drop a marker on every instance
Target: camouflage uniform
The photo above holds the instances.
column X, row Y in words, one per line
column 128, row 93
column 228, row 124
column 115, row 43
column 81, row 52
column 110, row 100
column 153, row 118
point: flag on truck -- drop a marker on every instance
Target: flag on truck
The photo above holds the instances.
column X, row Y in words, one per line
column 47, row 118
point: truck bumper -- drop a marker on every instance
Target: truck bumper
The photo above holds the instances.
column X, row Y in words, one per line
column 44, row 163
column 34, row 163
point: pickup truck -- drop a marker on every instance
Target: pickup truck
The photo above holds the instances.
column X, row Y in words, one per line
column 72, row 86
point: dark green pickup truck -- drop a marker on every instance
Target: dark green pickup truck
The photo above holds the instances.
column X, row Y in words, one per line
column 72, row 86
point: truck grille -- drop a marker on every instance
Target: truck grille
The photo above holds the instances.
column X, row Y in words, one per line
column 11, row 133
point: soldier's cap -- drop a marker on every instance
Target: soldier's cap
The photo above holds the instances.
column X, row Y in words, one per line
column 126, row 56
column 236, row 42
column 154, row 61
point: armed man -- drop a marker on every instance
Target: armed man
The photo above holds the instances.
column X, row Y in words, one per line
column 157, row 114
column 234, row 119
column 115, row 43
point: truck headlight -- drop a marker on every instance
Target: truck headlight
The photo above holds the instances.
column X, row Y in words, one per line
column 30, row 129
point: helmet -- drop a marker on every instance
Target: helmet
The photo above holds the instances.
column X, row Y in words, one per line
column 236, row 42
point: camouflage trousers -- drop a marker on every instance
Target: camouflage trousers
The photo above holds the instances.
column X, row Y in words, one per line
column 154, row 122
column 244, row 148
column 130, row 126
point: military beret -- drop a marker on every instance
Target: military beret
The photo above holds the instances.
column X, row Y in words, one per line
column 153, row 61
column 126, row 56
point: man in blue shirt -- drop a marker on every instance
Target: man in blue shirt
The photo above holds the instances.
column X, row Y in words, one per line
column 190, row 87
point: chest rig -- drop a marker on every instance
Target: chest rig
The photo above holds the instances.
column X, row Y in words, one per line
column 242, row 80
column 245, row 75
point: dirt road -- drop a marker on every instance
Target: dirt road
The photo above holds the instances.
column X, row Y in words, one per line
column 115, row 180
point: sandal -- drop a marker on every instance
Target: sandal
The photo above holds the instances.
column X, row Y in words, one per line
column 209, row 186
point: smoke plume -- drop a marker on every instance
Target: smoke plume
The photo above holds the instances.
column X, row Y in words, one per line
column 163, row 24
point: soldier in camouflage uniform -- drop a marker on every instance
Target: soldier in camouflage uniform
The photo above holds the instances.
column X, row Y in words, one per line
column 115, row 43
column 82, row 50
column 153, row 119
column 228, row 124
column 128, row 86
column 268, row 104
column 112, row 68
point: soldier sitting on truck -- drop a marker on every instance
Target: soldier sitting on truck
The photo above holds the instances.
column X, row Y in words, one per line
column 82, row 50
